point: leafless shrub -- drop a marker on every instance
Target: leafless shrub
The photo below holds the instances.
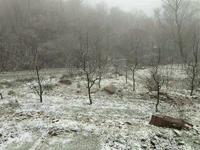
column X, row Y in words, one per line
column 11, row 92
column 13, row 104
column 155, row 80
column 193, row 68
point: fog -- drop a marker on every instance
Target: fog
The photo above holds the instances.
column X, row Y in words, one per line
column 147, row 6
column 99, row 75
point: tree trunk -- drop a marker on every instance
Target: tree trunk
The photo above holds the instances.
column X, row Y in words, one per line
column 89, row 88
column 170, row 122
column 89, row 94
column 116, row 71
column 41, row 100
column 133, row 77
column 193, row 79
column 1, row 95
column 192, row 89
column 100, row 77
column 126, row 75
column 158, row 97
column 39, row 84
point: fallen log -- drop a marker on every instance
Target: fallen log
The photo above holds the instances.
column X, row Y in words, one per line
column 1, row 96
column 169, row 122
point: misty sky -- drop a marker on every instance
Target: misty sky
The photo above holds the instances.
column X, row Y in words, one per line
column 146, row 5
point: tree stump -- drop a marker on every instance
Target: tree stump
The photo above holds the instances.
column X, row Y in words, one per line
column 169, row 122
column 1, row 96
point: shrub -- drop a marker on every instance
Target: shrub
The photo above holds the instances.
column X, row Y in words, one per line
column 49, row 87
column 66, row 76
column 11, row 93
column 13, row 104
column 150, row 82
column 66, row 82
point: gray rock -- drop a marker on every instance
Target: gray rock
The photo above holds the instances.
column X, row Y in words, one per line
column 111, row 89
column 180, row 143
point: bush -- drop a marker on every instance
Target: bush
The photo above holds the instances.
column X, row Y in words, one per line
column 13, row 104
column 150, row 83
column 49, row 87
column 66, row 76
column 66, row 82
column 11, row 93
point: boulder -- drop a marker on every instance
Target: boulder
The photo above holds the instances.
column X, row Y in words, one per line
column 111, row 89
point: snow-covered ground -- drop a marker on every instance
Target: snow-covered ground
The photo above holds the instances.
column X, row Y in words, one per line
column 65, row 121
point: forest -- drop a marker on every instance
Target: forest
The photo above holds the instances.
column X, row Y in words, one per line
column 62, row 31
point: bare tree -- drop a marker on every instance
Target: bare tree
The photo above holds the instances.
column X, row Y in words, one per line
column 176, row 18
column 155, row 81
column 193, row 65
column 90, row 73
column 38, row 88
column 116, row 67
column 132, row 65
column 2, row 60
column 135, row 45
column 102, row 62
column 89, row 67
column 178, row 15
column 133, row 70
column 100, row 59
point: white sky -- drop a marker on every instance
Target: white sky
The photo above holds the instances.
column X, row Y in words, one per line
column 147, row 6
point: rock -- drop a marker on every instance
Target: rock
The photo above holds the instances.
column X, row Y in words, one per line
column 5, row 140
column 180, row 143
column 75, row 129
column 161, row 136
column 111, row 89
column 153, row 145
column 55, row 120
column 177, row 133
column 66, row 82
column 128, row 123
column 144, row 146
column 13, row 135
column 120, row 91
column 197, row 142
column 52, row 133
column 143, row 140
column 55, row 131
column 78, row 91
